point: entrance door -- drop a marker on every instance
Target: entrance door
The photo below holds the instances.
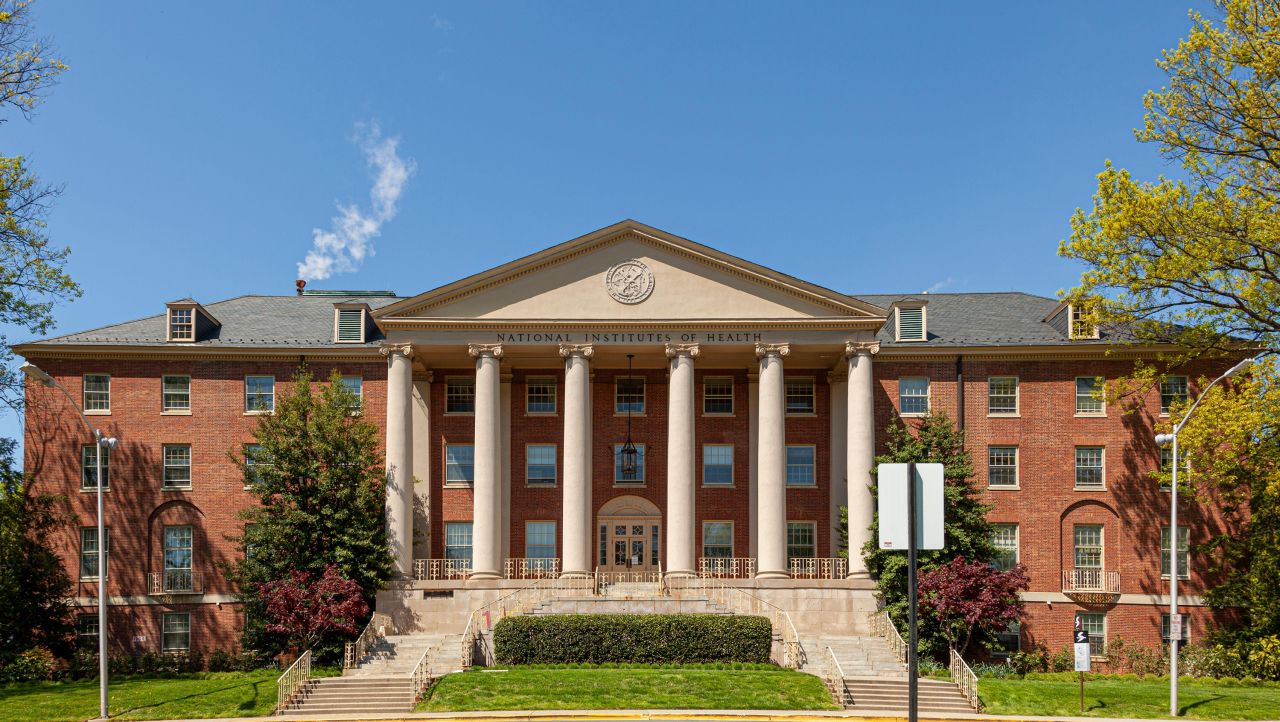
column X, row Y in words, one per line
column 629, row 544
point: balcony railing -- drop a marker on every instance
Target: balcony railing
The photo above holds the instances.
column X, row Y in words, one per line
column 525, row 568
column 726, row 567
column 175, row 581
column 1091, row 585
column 433, row 570
column 821, row 568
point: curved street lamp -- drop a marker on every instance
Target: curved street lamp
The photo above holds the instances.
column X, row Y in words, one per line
column 101, row 444
column 1171, row 439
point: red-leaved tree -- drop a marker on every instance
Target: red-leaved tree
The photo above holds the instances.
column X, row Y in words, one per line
column 971, row 598
column 305, row 610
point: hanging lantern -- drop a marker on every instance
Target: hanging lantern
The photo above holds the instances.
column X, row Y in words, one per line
column 630, row 456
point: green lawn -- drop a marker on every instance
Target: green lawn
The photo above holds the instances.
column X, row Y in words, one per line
column 216, row 694
column 1059, row 694
column 645, row 688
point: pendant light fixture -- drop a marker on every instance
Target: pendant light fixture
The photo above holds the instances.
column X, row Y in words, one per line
column 629, row 453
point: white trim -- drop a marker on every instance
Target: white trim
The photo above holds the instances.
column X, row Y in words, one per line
column 732, row 534
column 1017, row 399
column 1075, row 467
column 928, row 397
column 733, row 466
column 1017, row 468
column 555, row 462
column 733, row 388
column 1075, row 398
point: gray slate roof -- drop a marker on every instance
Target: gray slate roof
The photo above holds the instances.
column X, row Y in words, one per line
column 247, row 322
column 954, row 319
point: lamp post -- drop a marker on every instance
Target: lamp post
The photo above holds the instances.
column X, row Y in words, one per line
column 101, row 444
column 1171, row 439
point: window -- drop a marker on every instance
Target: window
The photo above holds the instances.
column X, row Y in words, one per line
column 259, row 394
column 350, row 325
column 618, row 476
column 628, row 395
column 1008, row 642
column 355, row 386
column 87, row 631
column 540, row 540
column 717, row 395
column 89, row 468
column 459, row 463
column 800, row 466
column 1166, row 467
column 176, row 631
column 89, row 550
column 457, row 541
column 1173, row 390
column 540, row 396
column 1089, row 467
column 1186, row 631
column 540, row 465
column 801, row 540
column 177, row 548
column 717, row 464
column 1088, row 546
column 1095, row 623
column 800, row 396
column 1089, row 396
column 913, row 396
column 1002, row 395
column 249, row 546
column 717, row 539
column 1005, row 539
column 1184, row 554
column 1002, row 466
column 460, row 396
column 254, row 458
column 1078, row 327
column 97, row 393
column 182, row 326
column 175, row 394
column 177, row 466
column 911, row 324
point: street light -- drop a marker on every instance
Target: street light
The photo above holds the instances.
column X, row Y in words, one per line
column 1171, row 439
column 101, row 443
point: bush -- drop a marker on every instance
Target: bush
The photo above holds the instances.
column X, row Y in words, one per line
column 930, row 667
column 236, row 661
column 654, row 638
column 988, row 670
column 1063, row 661
column 1259, row 658
column 1035, row 659
column 34, row 665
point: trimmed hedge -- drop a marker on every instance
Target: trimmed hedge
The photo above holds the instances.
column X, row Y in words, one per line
column 645, row 638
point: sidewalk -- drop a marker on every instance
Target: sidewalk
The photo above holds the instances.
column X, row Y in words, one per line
column 662, row 714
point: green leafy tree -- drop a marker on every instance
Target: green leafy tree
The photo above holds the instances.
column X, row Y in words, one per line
column 34, row 587
column 318, row 475
column 934, row 439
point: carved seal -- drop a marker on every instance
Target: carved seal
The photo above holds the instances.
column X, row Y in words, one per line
column 629, row 282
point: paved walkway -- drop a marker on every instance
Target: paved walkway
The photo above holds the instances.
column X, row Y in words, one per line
column 662, row 714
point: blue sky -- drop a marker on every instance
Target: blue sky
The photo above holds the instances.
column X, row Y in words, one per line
column 868, row 147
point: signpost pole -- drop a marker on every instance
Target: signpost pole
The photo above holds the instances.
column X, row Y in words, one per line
column 912, row 665
column 1082, row 693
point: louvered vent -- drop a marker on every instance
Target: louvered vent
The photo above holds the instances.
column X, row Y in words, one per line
column 351, row 325
column 910, row 324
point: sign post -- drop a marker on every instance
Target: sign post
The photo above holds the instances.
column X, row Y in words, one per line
column 1083, row 656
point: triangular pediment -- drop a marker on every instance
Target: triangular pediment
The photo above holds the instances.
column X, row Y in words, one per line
column 673, row 279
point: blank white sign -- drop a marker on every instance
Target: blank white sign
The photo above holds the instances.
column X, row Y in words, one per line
column 892, row 506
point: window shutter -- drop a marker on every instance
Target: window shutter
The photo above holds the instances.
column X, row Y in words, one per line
column 911, row 324
column 351, row 324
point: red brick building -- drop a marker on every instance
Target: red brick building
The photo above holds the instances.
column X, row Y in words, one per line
column 754, row 401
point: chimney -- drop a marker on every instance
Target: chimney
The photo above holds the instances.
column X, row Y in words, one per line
column 301, row 284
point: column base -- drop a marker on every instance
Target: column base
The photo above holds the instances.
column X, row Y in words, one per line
column 859, row 575
column 679, row 574
column 485, row 575
column 575, row 575
column 772, row 575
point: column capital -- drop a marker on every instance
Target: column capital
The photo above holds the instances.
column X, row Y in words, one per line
column 861, row 348
column 390, row 349
column 585, row 350
column 491, row 350
column 772, row 349
column 683, row 349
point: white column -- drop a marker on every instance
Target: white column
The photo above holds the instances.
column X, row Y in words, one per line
column 486, row 493
column 399, row 504
column 504, row 478
column 576, row 508
column 772, row 464
column 838, row 458
column 681, row 462
column 422, row 466
column 861, row 450
column 753, row 441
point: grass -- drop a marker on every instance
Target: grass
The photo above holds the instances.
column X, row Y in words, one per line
column 214, row 694
column 633, row 687
column 1059, row 695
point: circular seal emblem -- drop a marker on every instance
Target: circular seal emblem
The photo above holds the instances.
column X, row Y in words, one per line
column 629, row 282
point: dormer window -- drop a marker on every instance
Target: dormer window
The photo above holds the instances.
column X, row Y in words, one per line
column 182, row 324
column 910, row 322
column 187, row 322
column 349, row 324
column 1077, row 327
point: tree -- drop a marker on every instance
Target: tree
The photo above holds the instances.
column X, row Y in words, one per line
column 305, row 610
column 965, row 598
column 32, row 278
column 968, row 534
column 318, row 475
column 34, row 587
column 1194, row 261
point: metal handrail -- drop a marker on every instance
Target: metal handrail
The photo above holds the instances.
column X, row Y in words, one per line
column 819, row 568
column 292, row 681
column 743, row 602
column 531, row 568
column 965, row 679
column 727, row 567
column 421, row 675
column 511, row 604
column 882, row 626
column 834, row 674
column 175, row 581
column 373, row 631
column 1089, row 579
column 441, row 569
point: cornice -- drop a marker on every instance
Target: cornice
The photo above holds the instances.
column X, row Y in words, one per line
column 1025, row 353
column 165, row 353
column 784, row 325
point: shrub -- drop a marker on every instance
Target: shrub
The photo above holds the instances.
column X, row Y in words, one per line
column 930, row 667
column 235, row 661
column 994, row 671
column 34, row 665
column 1035, row 659
column 1063, row 661
column 654, row 638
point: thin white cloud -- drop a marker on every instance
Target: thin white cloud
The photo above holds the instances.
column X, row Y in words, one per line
column 949, row 280
column 349, row 239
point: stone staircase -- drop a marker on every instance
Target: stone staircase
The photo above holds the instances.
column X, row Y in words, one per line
column 382, row 683
column 876, row 680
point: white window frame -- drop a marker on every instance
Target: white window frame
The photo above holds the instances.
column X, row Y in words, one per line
column 1186, row 391
column 165, row 393
column 705, row 466
column 527, row 536
column 1076, row 546
column 807, row 381
column 812, row 466
column 251, row 465
column 249, row 411
column 709, row 380
column 1099, row 651
column 90, row 534
column 1100, row 386
column 182, row 628
column 337, row 324
column 459, row 382
column 358, row 391
column 84, row 395
column 88, row 465
column 1074, row 316
column 924, row 323
column 555, row 467
column 709, row 522
column 169, row 324
column 165, row 466
column 618, row 409
column 928, row 396
column 813, row 525
column 1002, row 551
column 1017, row 471
column 529, row 383
column 448, row 465
column 469, row 546
column 1184, row 552
column 1102, row 468
column 1017, row 397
